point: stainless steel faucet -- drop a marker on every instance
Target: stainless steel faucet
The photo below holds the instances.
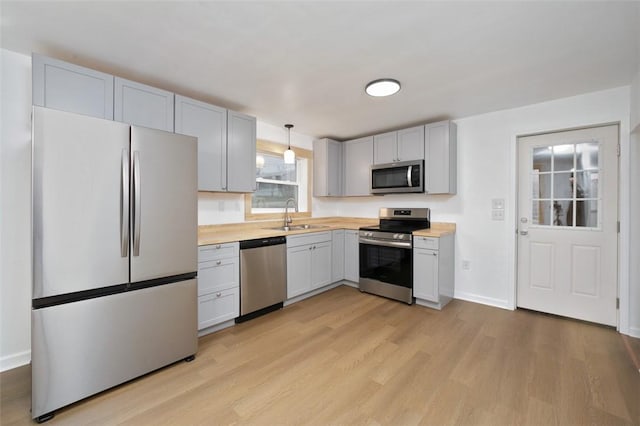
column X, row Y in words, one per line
column 287, row 218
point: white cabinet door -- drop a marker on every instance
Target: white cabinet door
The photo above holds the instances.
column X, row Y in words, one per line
column 358, row 158
column 385, row 148
column 218, row 307
column 241, row 152
column 440, row 158
column 425, row 274
column 68, row 87
column 337, row 253
column 411, row 144
column 351, row 256
column 321, row 264
column 327, row 168
column 209, row 124
column 142, row 105
column 298, row 270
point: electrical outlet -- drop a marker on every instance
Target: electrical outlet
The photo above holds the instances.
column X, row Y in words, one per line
column 497, row 214
column 466, row 265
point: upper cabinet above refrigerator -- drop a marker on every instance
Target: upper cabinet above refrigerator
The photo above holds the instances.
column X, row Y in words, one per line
column 142, row 105
column 68, row 87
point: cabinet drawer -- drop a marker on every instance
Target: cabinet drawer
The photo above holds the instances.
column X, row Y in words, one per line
column 218, row 307
column 218, row 251
column 426, row 242
column 304, row 239
column 217, row 275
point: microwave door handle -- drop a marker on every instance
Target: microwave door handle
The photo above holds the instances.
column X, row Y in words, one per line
column 409, row 176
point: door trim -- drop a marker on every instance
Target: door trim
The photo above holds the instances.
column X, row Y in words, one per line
column 623, row 263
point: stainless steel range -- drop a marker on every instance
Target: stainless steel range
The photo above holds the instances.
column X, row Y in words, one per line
column 386, row 252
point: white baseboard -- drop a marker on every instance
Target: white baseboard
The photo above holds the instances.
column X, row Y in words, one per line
column 470, row 297
column 634, row 332
column 350, row 284
column 15, row 360
column 216, row 327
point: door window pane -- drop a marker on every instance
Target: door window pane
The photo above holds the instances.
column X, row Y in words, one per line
column 587, row 155
column 563, row 157
column 586, row 184
column 542, row 159
column 541, row 212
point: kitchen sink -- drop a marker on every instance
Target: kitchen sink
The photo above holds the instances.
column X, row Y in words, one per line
column 300, row 227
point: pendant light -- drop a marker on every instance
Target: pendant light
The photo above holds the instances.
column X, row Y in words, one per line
column 289, row 155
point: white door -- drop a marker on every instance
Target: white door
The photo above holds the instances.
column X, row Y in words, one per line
column 567, row 230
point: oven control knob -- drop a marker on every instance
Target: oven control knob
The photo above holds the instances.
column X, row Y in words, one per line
column 395, row 236
column 401, row 236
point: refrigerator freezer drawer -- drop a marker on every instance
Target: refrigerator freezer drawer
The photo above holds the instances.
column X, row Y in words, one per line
column 82, row 348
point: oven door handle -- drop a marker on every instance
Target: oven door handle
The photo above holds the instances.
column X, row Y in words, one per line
column 399, row 244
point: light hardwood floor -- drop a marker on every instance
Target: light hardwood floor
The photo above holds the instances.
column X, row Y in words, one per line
column 344, row 357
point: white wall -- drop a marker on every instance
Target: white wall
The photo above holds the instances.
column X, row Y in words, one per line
column 486, row 170
column 634, row 251
column 15, row 205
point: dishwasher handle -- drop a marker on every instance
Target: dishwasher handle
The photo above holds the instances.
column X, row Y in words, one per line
column 262, row 242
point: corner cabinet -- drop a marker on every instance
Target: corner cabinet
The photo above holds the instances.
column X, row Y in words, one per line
column 142, row 105
column 218, row 284
column 328, row 168
column 433, row 270
column 209, row 124
column 308, row 262
column 241, row 152
column 358, row 158
column 440, row 158
column 67, row 87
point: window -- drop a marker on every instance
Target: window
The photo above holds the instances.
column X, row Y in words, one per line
column 277, row 182
column 564, row 185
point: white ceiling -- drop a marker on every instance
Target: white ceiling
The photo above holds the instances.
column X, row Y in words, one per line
column 307, row 62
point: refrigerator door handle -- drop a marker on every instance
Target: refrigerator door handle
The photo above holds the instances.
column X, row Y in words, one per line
column 136, row 203
column 124, row 205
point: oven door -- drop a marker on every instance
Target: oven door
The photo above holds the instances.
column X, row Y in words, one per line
column 384, row 264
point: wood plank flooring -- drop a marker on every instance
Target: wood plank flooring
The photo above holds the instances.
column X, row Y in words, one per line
column 344, row 357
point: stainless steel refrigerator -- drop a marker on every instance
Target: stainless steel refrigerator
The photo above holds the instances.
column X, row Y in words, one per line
column 114, row 255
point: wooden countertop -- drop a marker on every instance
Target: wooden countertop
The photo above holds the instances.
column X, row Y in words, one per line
column 226, row 233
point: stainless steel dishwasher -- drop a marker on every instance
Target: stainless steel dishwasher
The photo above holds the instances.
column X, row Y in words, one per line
column 263, row 276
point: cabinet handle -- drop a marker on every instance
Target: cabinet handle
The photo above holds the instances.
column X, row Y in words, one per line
column 434, row 254
column 218, row 247
column 219, row 262
column 314, row 247
column 218, row 294
column 310, row 248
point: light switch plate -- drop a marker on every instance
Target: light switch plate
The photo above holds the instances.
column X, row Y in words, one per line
column 497, row 203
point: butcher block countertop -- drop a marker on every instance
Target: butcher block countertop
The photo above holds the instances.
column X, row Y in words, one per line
column 226, row 233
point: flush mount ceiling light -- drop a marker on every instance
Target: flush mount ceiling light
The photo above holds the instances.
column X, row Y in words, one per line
column 382, row 87
column 289, row 155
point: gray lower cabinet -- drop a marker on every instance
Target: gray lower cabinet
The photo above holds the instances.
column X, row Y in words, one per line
column 209, row 124
column 440, row 158
column 328, row 168
column 218, row 284
column 308, row 262
column 433, row 270
column 60, row 85
column 142, row 105
column 351, row 256
column 337, row 253
column 241, row 152
column 358, row 158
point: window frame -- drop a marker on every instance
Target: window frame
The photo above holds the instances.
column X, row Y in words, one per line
column 279, row 149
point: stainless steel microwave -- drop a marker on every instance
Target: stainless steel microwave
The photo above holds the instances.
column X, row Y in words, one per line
column 401, row 177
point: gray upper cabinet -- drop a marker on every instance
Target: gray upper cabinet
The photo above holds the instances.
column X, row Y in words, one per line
column 68, row 87
column 241, row 152
column 358, row 158
column 440, row 158
column 411, row 144
column 209, row 124
column 403, row 145
column 328, row 168
column 143, row 105
column 385, row 148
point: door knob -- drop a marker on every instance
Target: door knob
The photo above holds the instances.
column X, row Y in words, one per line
column 524, row 232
